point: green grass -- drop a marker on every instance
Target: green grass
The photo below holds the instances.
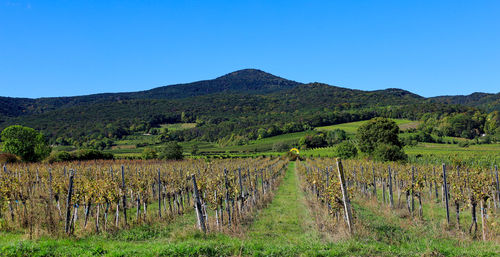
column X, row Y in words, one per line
column 403, row 236
column 178, row 126
column 287, row 220
column 322, row 151
column 433, row 148
column 484, row 155
column 352, row 127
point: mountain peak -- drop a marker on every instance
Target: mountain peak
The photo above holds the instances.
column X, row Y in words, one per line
column 249, row 74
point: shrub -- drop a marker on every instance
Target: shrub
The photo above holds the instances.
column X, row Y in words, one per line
column 464, row 144
column 79, row 155
column 313, row 141
column 56, row 157
column 335, row 136
column 63, row 156
column 9, row 158
column 90, row 154
column 346, row 150
column 171, row 151
column 149, row 153
column 292, row 156
column 388, row 152
column 280, row 147
column 422, row 136
column 194, row 150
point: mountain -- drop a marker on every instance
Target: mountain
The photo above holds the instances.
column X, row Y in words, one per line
column 251, row 81
column 241, row 102
column 485, row 101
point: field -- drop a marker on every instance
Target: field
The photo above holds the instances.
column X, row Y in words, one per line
column 435, row 151
column 178, row 126
column 293, row 223
column 352, row 127
column 132, row 145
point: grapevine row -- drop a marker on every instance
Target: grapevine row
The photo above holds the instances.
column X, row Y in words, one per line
column 405, row 186
column 79, row 197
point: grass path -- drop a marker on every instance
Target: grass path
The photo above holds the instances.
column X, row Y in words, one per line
column 287, row 219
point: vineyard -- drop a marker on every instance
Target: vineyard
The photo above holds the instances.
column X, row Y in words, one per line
column 249, row 206
column 401, row 186
column 77, row 198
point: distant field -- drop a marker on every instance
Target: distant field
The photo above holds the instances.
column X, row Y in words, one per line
column 487, row 154
column 432, row 148
column 178, row 126
column 127, row 147
column 352, row 127
column 261, row 145
column 323, row 152
column 266, row 144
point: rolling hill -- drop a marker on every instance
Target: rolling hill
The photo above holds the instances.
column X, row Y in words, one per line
column 485, row 101
column 238, row 102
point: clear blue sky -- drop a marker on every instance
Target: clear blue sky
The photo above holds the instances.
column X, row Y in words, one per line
column 59, row 48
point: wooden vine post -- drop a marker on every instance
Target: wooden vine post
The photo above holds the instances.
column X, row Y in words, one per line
column 374, row 183
column 445, row 187
column 159, row 193
column 457, row 201
column 435, row 184
column 497, row 193
column 262, row 181
column 412, row 189
column 391, row 198
column 124, row 198
column 49, row 202
column 226, row 199
column 327, row 186
column 68, row 203
column 345, row 197
column 483, row 219
column 197, row 205
column 241, row 194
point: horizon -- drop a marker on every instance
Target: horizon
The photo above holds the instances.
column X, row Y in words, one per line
column 73, row 49
column 255, row 69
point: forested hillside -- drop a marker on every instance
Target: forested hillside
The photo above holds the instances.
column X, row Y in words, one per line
column 488, row 102
column 236, row 104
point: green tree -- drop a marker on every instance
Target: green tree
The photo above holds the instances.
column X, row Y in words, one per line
column 195, row 149
column 388, row 152
column 378, row 131
column 171, row 151
column 25, row 142
column 492, row 124
column 312, row 141
column 335, row 136
column 149, row 153
column 379, row 138
column 346, row 150
column 280, row 147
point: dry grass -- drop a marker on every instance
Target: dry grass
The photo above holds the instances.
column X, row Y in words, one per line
column 431, row 225
column 332, row 228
